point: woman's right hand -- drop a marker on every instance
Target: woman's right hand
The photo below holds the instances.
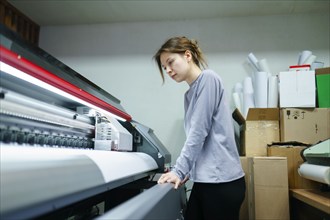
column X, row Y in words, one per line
column 170, row 177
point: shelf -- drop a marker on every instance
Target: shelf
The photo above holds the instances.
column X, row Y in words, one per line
column 313, row 197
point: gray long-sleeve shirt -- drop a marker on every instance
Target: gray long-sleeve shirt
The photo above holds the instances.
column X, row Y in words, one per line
column 209, row 154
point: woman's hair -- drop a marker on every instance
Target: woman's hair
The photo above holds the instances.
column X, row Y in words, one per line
column 181, row 45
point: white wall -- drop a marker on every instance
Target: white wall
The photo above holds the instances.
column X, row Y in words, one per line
column 118, row 58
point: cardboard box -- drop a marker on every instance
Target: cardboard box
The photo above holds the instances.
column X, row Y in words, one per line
column 305, row 125
column 294, row 159
column 323, row 87
column 261, row 127
column 268, row 193
column 297, row 89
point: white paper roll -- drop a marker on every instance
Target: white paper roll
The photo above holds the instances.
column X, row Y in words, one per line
column 317, row 65
column 299, row 59
column 238, row 87
column 272, row 92
column 237, row 100
column 247, row 85
column 248, row 102
column 310, row 59
column 304, row 56
column 239, row 90
column 254, row 61
column 248, row 98
column 263, row 65
column 317, row 173
column 261, row 89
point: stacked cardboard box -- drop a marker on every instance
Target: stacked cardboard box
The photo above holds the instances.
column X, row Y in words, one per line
column 323, row 87
column 267, row 195
column 266, row 126
column 263, row 126
column 300, row 89
column 260, row 128
column 307, row 125
column 297, row 89
column 271, row 171
column 294, row 160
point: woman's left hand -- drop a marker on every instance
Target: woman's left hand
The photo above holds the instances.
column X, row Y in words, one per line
column 170, row 177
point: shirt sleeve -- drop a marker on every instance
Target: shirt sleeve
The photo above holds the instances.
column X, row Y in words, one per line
column 207, row 98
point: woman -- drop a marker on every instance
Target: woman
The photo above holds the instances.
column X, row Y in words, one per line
column 209, row 156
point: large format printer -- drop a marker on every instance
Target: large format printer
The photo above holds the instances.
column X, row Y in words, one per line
column 316, row 164
column 69, row 150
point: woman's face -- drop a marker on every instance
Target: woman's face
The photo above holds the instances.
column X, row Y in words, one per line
column 176, row 65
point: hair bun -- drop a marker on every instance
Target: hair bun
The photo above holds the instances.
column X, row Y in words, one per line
column 193, row 41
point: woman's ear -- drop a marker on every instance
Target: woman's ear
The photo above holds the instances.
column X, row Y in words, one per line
column 188, row 55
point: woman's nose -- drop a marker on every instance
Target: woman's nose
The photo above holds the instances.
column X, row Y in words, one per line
column 168, row 70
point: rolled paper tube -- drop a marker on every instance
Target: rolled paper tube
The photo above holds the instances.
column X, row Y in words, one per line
column 310, row 59
column 317, row 173
column 317, row 65
column 304, row 56
column 264, row 65
column 272, row 92
column 237, row 101
column 254, row 61
column 299, row 59
column 248, row 102
column 247, row 85
column 238, row 87
column 261, row 90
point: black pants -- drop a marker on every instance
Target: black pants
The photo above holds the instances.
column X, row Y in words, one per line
column 212, row 201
